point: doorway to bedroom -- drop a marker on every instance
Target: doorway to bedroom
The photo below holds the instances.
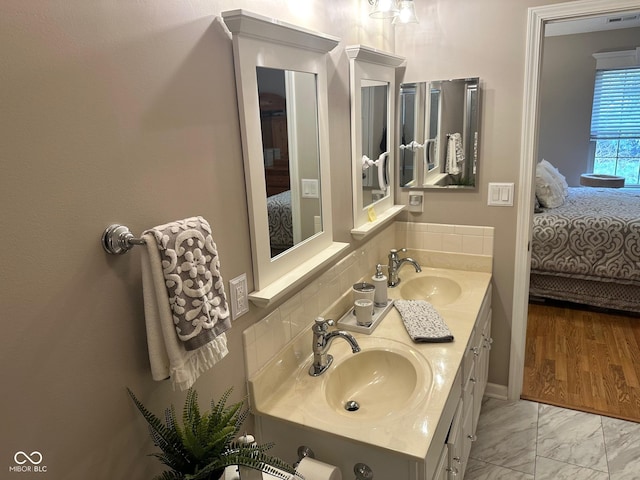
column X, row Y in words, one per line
column 578, row 353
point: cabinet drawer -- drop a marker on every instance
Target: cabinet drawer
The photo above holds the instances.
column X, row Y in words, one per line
column 467, row 439
column 455, row 442
column 443, row 428
column 442, row 467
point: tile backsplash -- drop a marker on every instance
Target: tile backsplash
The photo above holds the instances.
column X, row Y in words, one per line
column 328, row 295
column 446, row 238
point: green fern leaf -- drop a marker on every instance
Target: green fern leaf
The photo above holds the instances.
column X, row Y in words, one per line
column 229, row 415
column 218, row 409
column 191, row 411
column 163, row 437
column 172, row 475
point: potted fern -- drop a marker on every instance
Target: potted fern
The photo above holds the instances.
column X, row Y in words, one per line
column 206, row 443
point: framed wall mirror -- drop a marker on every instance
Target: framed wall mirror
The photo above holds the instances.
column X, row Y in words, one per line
column 373, row 94
column 281, row 83
column 439, row 125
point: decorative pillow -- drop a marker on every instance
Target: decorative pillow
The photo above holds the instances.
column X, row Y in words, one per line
column 555, row 173
column 550, row 188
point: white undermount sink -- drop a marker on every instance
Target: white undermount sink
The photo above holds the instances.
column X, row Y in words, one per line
column 437, row 290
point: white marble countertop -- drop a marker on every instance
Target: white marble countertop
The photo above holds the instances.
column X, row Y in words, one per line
column 282, row 389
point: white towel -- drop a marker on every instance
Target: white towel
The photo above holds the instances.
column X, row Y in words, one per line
column 423, row 322
column 185, row 305
column 455, row 154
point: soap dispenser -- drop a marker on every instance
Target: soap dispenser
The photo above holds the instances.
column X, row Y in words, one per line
column 380, row 282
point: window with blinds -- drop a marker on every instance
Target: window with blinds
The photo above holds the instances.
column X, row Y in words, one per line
column 615, row 123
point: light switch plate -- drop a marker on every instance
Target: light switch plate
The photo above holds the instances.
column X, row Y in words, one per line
column 501, row 194
column 310, row 188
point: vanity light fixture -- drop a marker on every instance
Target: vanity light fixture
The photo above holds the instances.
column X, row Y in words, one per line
column 383, row 8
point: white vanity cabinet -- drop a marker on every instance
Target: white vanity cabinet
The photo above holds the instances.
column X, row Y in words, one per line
column 473, row 373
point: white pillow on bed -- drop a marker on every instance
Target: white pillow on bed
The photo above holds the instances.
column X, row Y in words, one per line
column 551, row 186
column 557, row 176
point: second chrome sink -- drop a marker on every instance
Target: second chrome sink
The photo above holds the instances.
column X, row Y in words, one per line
column 439, row 291
column 377, row 382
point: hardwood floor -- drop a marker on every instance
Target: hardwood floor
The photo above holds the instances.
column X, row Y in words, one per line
column 582, row 359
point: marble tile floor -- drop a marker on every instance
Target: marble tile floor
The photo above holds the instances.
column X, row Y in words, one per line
column 532, row 441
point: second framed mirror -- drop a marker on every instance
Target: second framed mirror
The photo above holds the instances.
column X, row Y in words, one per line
column 373, row 93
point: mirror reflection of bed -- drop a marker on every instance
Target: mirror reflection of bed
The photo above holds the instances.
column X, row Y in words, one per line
column 585, row 247
column 288, row 120
column 275, row 144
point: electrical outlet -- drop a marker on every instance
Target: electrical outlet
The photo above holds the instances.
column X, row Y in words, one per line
column 239, row 296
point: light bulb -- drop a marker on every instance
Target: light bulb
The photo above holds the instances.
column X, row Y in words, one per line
column 384, row 9
column 407, row 13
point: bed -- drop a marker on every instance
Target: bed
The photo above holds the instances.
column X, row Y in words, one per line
column 280, row 222
column 587, row 250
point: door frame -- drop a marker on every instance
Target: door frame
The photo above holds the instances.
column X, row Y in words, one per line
column 537, row 18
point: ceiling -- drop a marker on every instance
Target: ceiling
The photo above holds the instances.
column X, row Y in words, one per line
column 593, row 24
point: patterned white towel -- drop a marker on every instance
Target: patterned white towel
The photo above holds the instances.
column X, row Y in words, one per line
column 185, row 305
column 423, row 322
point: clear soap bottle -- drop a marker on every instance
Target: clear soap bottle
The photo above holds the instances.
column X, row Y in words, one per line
column 380, row 282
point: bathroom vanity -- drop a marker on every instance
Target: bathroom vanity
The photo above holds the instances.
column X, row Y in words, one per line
column 419, row 403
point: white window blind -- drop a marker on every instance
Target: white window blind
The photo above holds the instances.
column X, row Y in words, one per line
column 616, row 104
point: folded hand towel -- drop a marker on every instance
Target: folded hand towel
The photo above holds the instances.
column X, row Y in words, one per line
column 423, row 322
column 185, row 305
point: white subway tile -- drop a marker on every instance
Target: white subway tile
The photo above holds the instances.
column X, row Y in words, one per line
column 473, row 244
column 468, row 230
column 250, row 351
column 452, row 243
column 414, row 240
column 487, row 246
column 433, row 241
column 440, row 228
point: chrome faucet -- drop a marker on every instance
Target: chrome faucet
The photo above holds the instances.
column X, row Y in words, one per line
column 322, row 339
column 395, row 262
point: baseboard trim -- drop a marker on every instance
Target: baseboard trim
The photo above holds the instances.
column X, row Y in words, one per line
column 494, row 390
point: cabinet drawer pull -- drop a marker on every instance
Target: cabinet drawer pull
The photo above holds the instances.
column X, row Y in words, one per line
column 473, row 438
column 453, row 471
column 457, row 459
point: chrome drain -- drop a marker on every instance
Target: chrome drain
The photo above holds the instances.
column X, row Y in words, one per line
column 351, row 406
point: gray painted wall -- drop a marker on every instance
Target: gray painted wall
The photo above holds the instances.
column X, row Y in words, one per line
column 568, row 75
